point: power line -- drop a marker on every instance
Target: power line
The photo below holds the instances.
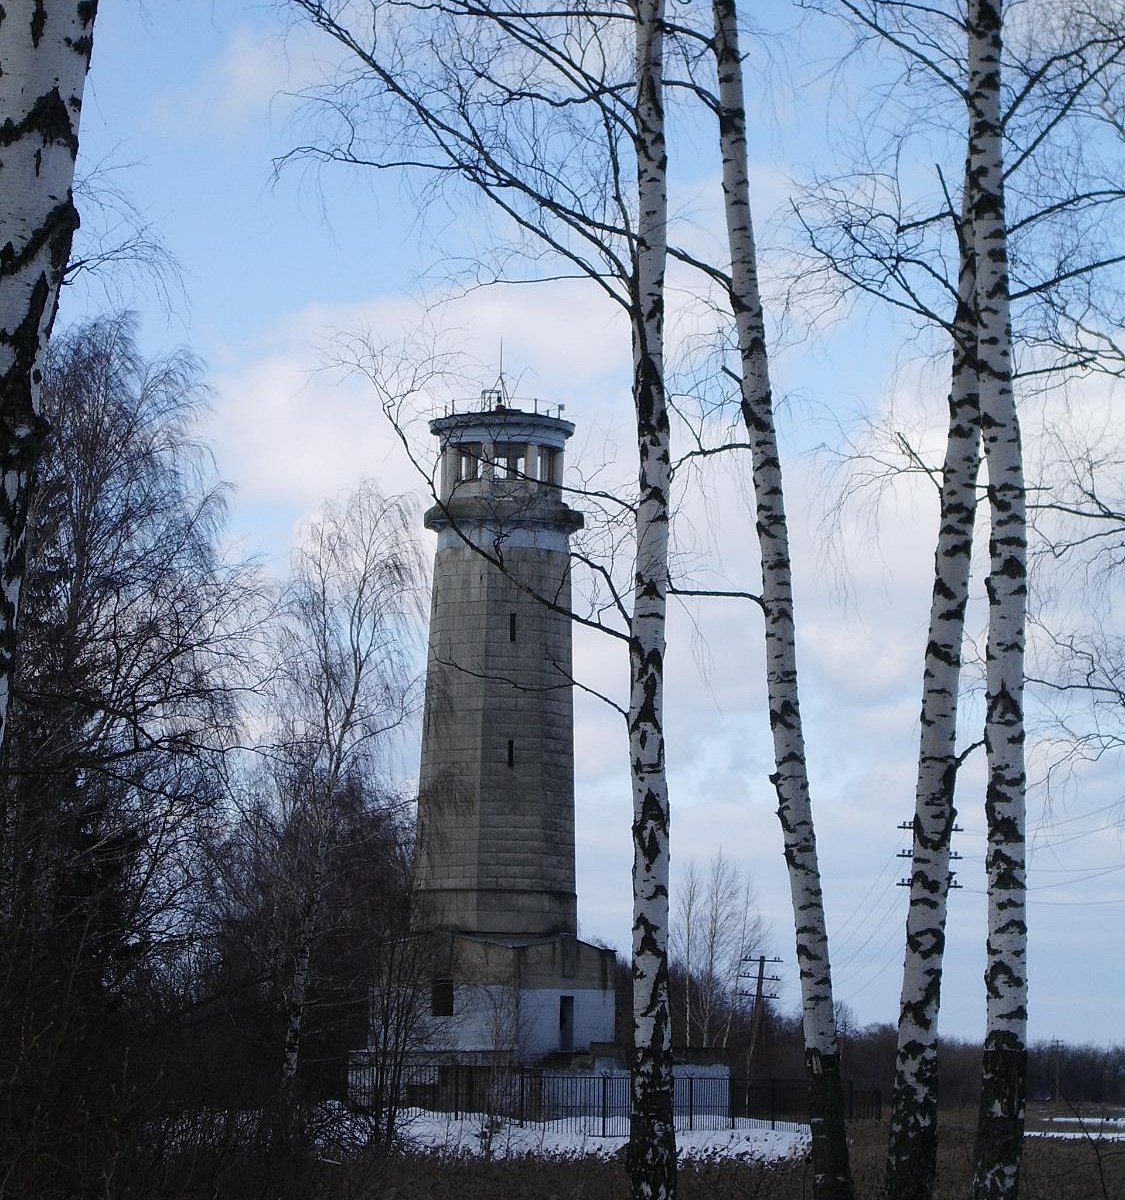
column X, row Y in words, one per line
column 880, row 960
column 842, row 935
column 1045, row 826
column 1074, row 837
column 1082, row 816
column 892, row 910
column 1072, row 870
column 1042, row 887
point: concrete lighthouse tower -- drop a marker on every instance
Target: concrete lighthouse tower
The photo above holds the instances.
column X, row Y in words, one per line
column 494, row 876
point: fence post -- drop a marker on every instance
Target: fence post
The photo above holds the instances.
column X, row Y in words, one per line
column 773, row 1104
column 605, row 1102
column 691, row 1102
column 523, row 1079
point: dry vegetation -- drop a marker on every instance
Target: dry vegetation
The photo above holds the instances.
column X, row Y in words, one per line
column 1079, row 1169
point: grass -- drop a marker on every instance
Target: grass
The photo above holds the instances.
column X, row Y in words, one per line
column 1078, row 1169
column 1052, row 1170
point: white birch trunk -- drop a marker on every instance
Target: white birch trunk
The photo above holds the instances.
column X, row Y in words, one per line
column 652, row 1142
column 1000, row 1126
column 832, row 1174
column 912, row 1149
column 44, row 55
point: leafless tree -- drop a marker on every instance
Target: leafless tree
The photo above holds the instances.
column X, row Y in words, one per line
column 138, row 641
column 117, row 244
column 1078, row 659
column 1063, row 274
column 715, row 927
column 400, row 1025
column 344, row 686
column 832, row 1171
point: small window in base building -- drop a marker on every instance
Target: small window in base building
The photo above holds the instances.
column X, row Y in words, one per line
column 511, row 627
column 511, row 753
column 441, row 998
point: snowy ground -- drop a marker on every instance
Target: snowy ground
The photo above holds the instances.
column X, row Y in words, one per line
column 1106, row 1129
column 1102, row 1134
column 471, row 1134
column 1119, row 1121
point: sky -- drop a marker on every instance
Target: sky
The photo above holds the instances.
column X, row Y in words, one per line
column 190, row 107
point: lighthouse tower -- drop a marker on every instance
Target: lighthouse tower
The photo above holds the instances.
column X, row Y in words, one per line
column 494, row 876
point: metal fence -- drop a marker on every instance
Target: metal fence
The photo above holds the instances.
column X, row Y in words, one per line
column 598, row 1105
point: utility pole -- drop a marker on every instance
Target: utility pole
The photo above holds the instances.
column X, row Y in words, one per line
column 953, row 856
column 760, row 995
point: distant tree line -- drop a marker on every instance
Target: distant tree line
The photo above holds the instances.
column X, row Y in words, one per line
column 717, row 937
column 1058, row 1072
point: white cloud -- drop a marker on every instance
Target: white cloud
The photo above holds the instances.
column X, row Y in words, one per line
column 250, row 82
column 291, row 426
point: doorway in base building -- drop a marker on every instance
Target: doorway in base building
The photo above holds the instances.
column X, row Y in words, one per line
column 566, row 1023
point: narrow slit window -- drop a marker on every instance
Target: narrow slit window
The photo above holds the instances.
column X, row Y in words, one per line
column 511, row 753
column 511, row 627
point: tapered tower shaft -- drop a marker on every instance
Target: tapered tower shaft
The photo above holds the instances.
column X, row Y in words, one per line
column 496, row 796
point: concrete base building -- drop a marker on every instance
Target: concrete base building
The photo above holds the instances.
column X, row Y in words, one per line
column 519, row 1002
column 494, row 878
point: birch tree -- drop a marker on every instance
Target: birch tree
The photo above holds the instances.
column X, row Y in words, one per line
column 45, row 51
column 832, row 1173
column 1004, row 1072
column 912, row 1147
column 715, row 928
column 1067, row 222
column 652, row 1138
column 547, row 119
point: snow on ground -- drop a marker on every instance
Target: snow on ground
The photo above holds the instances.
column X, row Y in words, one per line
column 1086, row 1121
column 1104, row 1128
column 1100, row 1134
column 474, row 1134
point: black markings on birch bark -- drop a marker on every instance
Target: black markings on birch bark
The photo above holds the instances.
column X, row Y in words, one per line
column 832, row 1173
column 45, row 55
column 1000, row 1122
column 912, row 1145
column 652, row 1138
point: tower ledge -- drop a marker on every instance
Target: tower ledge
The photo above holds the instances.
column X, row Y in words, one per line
column 505, row 506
